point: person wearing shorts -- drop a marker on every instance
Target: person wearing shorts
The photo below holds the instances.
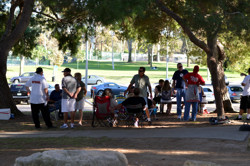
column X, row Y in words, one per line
column 70, row 91
column 80, row 100
column 245, row 99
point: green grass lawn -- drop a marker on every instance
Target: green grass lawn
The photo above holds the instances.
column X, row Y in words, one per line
column 122, row 74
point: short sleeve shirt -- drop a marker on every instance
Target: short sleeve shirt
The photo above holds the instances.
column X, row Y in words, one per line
column 82, row 92
column 178, row 78
column 56, row 95
column 134, row 101
column 142, row 83
column 70, row 84
column 194, row 78
column 246, row 91
column 37, row 84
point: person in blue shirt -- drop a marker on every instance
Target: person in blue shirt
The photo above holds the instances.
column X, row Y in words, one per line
column 179, row 86
column 55, row 98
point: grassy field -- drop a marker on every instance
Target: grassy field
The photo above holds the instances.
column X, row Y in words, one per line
column 122, row 74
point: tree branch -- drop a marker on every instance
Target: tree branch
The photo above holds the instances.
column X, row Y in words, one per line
column 10, row 20
column 21, row 25
column 186, row 30
column 47, row 15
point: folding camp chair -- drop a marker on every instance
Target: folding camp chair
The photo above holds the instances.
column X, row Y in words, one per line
column 54, row 109
column 102, row 115
column 133, row 112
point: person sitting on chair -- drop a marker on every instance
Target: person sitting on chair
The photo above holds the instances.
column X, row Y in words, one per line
column 134, row 104
column 113, row 103
column 55, row 99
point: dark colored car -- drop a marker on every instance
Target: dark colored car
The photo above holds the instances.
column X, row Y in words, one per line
column 19, row 93
column 116, row 89
column 235, row 92
column 22, row 78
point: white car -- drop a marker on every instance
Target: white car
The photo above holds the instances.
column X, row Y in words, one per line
column 208, row 91
column 94, row 79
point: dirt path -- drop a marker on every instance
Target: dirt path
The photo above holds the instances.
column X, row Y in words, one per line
column 148, row 152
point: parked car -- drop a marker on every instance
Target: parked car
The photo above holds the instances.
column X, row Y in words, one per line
column 50, row 88
column 19, row 93
column 235, row 92
column 22, row 78
column 94, row 79
column 209, row 94
column 99, row 89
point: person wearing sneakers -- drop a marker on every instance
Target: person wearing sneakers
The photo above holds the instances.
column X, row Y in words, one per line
column 142, row 82
column 179, row 86
column 245, row 98
column 70, row 88
column 38, row 98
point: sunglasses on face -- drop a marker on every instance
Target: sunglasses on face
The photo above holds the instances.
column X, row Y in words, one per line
column 141, row 71
column 180, row 67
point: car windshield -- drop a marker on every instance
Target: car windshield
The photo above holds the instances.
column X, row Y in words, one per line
column 207, row 90
column 236, row 89
column 17, row 87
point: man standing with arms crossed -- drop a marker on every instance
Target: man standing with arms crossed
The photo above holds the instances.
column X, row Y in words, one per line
column 179, row 86
column 70, row 91
column 142, row 82
column 38, row 98
column 245, row 99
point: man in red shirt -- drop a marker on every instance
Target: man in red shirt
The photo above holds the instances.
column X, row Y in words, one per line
column 192, row 80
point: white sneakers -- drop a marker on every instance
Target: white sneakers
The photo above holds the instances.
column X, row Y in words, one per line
column 64, row 126
column 136, row 123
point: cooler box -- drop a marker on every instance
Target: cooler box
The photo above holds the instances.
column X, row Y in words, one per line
column 4, row 114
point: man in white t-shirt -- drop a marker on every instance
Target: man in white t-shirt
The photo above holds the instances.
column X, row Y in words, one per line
column 245, row 99
column 38, row 98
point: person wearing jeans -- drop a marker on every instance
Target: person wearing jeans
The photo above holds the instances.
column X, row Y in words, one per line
column 179, row 86
column 180, row 93
column 193, row 81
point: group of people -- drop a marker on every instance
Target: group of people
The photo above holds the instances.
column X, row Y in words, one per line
column 71, row 97
column 186, row 86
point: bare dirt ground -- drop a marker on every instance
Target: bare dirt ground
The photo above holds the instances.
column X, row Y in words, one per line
column 143, row 152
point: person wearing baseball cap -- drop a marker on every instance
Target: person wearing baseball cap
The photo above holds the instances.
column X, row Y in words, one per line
column 70, row 88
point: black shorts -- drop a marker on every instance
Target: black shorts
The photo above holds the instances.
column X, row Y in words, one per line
column 245, row 102
column 157, row 99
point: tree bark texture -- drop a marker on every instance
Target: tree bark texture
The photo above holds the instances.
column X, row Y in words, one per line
column 129, row 41
column 7, row 41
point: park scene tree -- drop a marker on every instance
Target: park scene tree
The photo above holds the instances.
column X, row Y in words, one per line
column 210, row 26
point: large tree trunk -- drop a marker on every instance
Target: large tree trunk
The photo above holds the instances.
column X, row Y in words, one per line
column 129, row 50
column 7, row 41
column 6, row 99
column 215, row 60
